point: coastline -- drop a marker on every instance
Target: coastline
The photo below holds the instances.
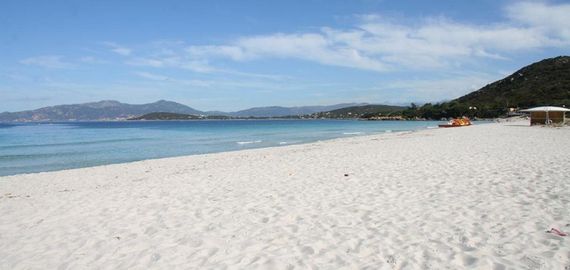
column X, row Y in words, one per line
column 471, row 197
column 347, row 136
column 117, row 147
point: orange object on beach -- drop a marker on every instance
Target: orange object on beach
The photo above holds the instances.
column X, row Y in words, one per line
column 457, row 122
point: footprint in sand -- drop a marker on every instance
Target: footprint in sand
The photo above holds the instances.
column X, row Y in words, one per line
column 308, row 250
column 150, row 231
column 469, row 260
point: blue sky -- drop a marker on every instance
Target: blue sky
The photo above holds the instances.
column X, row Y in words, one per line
column 231, row 55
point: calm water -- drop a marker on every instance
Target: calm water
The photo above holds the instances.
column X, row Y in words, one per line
column 38, row 147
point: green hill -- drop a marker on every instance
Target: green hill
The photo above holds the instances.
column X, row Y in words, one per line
column 166, row 116
column 366, row 111
column 543, row 83
column 176, row 116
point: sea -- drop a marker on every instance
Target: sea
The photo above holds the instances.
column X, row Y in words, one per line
column 41, row 147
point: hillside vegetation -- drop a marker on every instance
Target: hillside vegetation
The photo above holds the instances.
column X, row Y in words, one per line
column 543, row 83
column 367, row 111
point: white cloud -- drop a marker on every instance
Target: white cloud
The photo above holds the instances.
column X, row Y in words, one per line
column 316, row 47
column 186, row 59
column 16, row 77
column 233, row 52
column 152, row 76
column 420, row 90
column 167, row 79
column 176, row 61
column 554, row 20
column 311, row 46
column 92, row 60
column 378, row 44
column 439, row 88
column 118, row 49
column 146, row 62
column 218, row 83
column 47, row 61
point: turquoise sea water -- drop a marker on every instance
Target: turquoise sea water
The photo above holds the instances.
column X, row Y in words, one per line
column 38, row 147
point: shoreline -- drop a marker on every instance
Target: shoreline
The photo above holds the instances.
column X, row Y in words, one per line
column 346, row 136
column 239, row 119
column 473, row 197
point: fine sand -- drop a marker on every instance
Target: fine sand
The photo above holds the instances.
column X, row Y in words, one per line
column 479, row 197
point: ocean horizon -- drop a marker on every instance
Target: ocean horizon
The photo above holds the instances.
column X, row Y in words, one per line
column 50, row 146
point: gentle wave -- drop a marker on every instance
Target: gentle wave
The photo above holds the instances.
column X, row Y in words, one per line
column 35, row 156
column 69, row 143
column 51, row 147
column 248, row 142
column 5, row 125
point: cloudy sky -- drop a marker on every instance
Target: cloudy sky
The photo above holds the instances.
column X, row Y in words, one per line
column 230, row 55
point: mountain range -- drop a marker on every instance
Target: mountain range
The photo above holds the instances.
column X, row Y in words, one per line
column 546, row 82
column 114, row 110
column 276, row 111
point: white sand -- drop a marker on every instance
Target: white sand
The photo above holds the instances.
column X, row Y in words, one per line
column 477, row 197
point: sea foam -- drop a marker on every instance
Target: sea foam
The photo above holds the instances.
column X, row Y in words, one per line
column 248, row 142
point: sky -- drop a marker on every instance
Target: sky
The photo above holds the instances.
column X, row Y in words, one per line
column 232, row 55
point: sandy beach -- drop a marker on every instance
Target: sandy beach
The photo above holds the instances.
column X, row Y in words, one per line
column 478, row 197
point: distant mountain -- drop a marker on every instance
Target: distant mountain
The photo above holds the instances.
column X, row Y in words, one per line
column 114, row 110
column 102, row 110
column 166, row 116
column 546, row 82
column 366, row 111
column 276, row 111
column 176, row 116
